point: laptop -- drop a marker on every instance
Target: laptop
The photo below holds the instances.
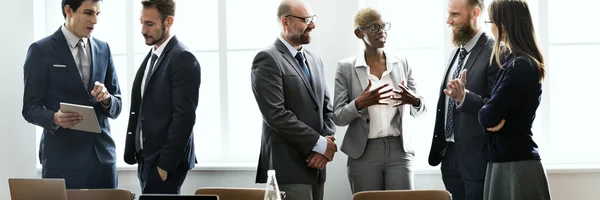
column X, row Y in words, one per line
column 37, row 189
column 178, row 197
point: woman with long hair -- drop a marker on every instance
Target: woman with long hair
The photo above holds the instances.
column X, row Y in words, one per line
column 515, row 171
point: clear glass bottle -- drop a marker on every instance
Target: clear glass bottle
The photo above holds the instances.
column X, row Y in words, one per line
column 272, row 190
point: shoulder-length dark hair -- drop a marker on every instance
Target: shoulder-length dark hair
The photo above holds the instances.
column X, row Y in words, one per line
column 515, row 28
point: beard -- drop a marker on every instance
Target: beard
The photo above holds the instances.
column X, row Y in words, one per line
column 162, row 36
column 462, row 34
column 301, row 36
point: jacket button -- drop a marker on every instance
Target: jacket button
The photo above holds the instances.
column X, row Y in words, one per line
column 143, row 118
column 368, row 120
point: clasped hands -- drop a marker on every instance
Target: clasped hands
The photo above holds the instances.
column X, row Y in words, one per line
column 370, row 97
column 317, row 160
column 69, row 119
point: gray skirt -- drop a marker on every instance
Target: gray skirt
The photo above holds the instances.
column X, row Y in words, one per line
column 519, row 180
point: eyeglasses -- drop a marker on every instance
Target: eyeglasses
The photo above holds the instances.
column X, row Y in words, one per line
column 489, row 21
column 307, row 20
column 374, row 28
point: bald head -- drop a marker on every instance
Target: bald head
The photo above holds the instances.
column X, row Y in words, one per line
column 293, row 7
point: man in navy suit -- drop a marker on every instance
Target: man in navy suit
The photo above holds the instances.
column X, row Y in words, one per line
column 164, row 101
column 72, row 67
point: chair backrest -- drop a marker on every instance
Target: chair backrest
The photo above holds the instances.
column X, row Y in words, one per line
column 37, row 189
column 100, row 194
column 234, row 193
column 403, row 195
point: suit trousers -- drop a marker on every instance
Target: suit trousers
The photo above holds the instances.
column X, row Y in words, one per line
column 93, row 175
column 151, row 183
column 459, row 176
column 383, row 166
column 303, row 191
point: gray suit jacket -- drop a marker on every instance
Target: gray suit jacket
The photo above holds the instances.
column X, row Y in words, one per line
column 296, row 112
column 350, row 81
column 468, row 135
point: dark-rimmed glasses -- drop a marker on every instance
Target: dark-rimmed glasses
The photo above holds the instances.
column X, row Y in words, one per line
column 374, row 28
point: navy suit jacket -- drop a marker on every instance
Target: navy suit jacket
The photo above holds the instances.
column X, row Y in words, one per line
column 51, row 77
column 167, row 111
column 515, row 98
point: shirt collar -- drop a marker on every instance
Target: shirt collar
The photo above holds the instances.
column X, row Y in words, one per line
column 161, row 48
column 362, row 62
column 471, row 44
column 290, row 48
column 72, row 39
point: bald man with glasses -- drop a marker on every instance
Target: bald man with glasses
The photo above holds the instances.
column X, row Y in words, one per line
column 291, row 92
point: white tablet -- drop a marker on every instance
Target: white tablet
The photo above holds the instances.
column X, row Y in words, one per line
column 89, row 123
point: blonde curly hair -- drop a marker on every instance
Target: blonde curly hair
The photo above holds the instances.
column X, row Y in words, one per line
column 365, row 16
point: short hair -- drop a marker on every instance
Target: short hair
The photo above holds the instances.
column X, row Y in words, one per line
column 165, row 7
column 364, row 16
column 476, row 3
column 74, row 4
column 284, row 9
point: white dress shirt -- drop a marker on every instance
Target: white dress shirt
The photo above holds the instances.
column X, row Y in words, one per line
column 381, row 116
column 468, row 47
column 321, row 145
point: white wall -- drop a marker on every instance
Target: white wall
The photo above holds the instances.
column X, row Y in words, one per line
column 332, row 40
column 17, row 143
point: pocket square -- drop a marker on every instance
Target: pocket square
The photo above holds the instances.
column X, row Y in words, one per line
column 58, row 65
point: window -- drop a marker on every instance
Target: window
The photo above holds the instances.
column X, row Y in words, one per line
column 563, row 128
column 570, row 55
column 228, row 122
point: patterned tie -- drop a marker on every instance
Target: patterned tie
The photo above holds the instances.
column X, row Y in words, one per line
column 451, row 103
column 300, row 60
column 84, row 64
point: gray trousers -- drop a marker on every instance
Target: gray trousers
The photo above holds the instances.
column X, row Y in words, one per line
column 302, row 191
column 383, row 166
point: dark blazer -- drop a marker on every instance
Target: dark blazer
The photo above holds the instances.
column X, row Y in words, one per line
column 51, row 77
column 295, row 114
column 469, row 136
column 167, row 111
column 515, row 98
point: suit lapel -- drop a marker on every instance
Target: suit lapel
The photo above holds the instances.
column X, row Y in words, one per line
column 363, row 76
column 159, row 62
column 63, row 49
column 137, row 83
column 94, row 65
column 285, row 53
column 483, row 39
column 314, row 71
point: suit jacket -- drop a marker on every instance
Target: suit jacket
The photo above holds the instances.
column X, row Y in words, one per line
column 468, row 135
column 167, row 110
column 515, row 98
column 51, row 77
column 295, row 113
column 350, row 81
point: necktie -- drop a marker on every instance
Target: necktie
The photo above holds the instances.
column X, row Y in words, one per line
column 300, row 60
column 150, row 70
column 138, row 138
column 451, row 103
column 84, row 64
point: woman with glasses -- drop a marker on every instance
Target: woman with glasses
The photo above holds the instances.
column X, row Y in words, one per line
column 372, row 91
column 514, row 171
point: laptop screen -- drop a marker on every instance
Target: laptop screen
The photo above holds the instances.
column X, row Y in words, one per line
column 177, row 197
